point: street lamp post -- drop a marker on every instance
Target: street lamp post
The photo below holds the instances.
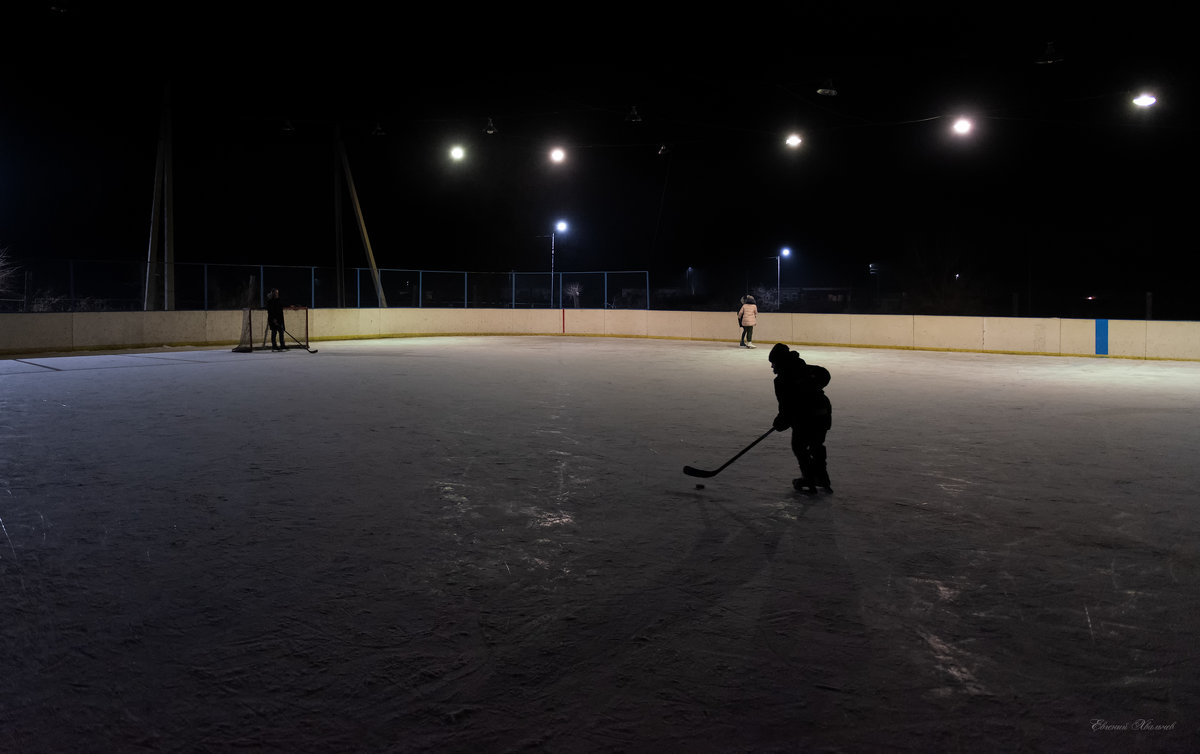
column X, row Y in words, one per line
column 559, row 227
column 779, row 278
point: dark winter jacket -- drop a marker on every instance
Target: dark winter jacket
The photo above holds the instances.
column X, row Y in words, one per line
column 275, row 313
column 800, row 390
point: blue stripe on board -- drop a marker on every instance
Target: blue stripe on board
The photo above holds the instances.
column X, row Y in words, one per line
column 1102, row 337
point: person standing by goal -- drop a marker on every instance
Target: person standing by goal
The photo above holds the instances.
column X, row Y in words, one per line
column 275, row 319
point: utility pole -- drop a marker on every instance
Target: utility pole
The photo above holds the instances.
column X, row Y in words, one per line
column 162, row 221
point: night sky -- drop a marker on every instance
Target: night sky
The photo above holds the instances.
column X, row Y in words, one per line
column 1062, row 186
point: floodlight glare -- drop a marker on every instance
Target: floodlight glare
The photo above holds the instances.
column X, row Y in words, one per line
column 560, row 226
column 793, row 140
column 1145, row 99
column 785, row 251
column 457, row 153
column 962, row 126
column 557, row 155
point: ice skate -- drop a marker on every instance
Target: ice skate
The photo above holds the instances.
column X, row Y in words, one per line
column 800, row 484
column 821, row 479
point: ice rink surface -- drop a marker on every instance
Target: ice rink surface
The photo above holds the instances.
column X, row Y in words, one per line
column 487, row 545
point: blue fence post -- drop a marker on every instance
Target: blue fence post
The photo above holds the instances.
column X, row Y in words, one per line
column 313, row 283
column 420, row 288
column 465, row 293
column 206, row 286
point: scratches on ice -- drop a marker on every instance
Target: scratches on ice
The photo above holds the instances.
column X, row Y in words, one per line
column 452, row 491
column 542, row 518
column 956, row 668
column 954, row 486
column 4, row 529
column 952, row 661
column 945, row 593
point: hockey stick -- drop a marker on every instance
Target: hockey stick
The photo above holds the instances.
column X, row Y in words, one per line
column 306, row 348
column 692, row 471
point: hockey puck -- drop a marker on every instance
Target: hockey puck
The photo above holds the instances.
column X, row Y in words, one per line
column 699, row 486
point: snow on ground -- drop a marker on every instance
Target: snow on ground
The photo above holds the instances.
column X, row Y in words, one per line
column 487, row 544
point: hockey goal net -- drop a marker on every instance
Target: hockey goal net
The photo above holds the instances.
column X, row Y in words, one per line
column 256, row 336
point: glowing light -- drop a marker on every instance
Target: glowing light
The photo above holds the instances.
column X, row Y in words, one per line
column 1145, row 99
column 962, row 126
column 793, row 140
column 785, row 251
column 557, row 155
column 560, row 226
column 457, row 153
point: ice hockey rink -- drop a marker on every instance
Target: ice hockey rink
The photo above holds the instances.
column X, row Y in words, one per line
column 487, row 544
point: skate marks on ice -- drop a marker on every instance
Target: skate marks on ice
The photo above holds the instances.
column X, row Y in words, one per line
column 1033, row 569
column 995, row 612
column 679, row 639
column 492, row 548
column 603, row 622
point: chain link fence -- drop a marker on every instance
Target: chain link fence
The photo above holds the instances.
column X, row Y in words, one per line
column 76, row 286
column 83, row 286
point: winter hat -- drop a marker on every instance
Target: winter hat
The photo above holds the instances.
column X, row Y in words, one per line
column 778, row 352
column 749, row 299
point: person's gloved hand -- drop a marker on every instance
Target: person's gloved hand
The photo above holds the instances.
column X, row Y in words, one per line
column 780, row 423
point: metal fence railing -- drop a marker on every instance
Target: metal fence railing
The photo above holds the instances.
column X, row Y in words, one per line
column 64, row 286
column 86, row 285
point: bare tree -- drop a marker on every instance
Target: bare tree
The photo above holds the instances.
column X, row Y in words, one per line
column 766, row 298
column 8, row 270
column 574, row 290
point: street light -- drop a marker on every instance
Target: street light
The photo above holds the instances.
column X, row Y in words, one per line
column 559, row 227
column 785, row 251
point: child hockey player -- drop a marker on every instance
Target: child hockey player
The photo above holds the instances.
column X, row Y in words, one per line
column 803, row 406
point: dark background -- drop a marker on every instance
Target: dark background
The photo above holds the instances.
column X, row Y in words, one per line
column 1064, row 191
